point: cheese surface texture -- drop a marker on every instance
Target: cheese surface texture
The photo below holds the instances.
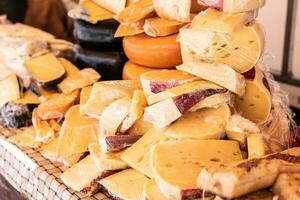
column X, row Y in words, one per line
column 132, row 71
column 114, row 6
column 152, row 192
column 43, row 131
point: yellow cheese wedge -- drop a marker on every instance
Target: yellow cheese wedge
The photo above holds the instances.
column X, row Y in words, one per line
column 93, row 10
column 152, row 192
column 173, row 10
column 140, row 127
column 131, row 29
column 125, row 185
column 102, row 15
column 10, row 89
column 157, row 26
column 106, row 161
column 132, row 71
column 138, row 155
column 232, row 81
column 114, row 6
column 136, row 12
column 177, row 164
column 28, row 98
column 25, row 138
column 42, row 128
column 83, row 78
column 241, row 50
column 76, row 133
column 113, row 116
column 231, row 6
column 85, row 94
column 214, row 20
column 69, row 67
column 204, row 124
column 105, row 92
column 257, row 102
column 256, row 145
column 136, row 110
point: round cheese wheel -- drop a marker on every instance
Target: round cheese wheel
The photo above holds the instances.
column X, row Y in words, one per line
column 132, row 71
column 159, row 52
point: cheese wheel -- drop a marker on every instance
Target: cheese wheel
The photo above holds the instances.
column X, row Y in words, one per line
column 132, row 71
column 161, row 52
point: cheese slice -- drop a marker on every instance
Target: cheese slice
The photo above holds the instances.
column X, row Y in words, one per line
column 85, row 94
column 214, row 20
column 83, row 78
column 136, row 110
column 152, row 192
column 257, row 97
column 256, row 145
column 138, row 155
column 222, row 75
column 203, row 124
column 178, row 10
column 133, row 28
column 69, row 67
column 25, row 138
column 113, row 116
column 176, row 164
column 76, row 133
column 106, row 161
column 132, row 71
column 42, row 128
column 28, row 98
column 118, row 184
column 114, row 6
column 154, row 82
column 10, row 89
column 104, row 93
column 102, row 15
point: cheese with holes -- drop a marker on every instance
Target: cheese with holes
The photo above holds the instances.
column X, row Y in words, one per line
column 203, row 124
column 214, row 20
column 223, row 75
column 105, row 92
column 10, row 89
column 69, row 67
column 241, row 50
column 83, row 78
column 42, row 128
column 106, row 161
column 125, row 30
column 178, row 10
column 126, row 185
column 113, row 116
column 25, row 138
column 114, row 6
column 177, row 164
column 138, row 155
column 76, row 134
column 132, row 71
column 136, row 110
column 160, row 52
column 160, row 80
column 256, row 104
column 85, row 94
column 256, row 145
column 57, row 105
column 152, row 192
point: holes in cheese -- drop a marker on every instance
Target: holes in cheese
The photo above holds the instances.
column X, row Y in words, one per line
column 176, row 164
column 25, row 138
column 83, row 78
column 42, row 128
column 206, row 123
column 161, row 52
column 132, row 71
column 10, row 89
column 256, row 98
column 46, row 69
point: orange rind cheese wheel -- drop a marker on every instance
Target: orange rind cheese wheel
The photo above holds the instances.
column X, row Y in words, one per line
column 132, row 71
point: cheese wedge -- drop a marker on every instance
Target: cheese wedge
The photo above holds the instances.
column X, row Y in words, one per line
column 178, row 10
column 132, row 71
column 204, row 124
column 101, row 15
column 106, row 161
column 140, row 127
column 85, row 94
column 106, row 92
column 83, row 78
column 217, row 21
column 158, row 81
column 114, row 6
column 113, row 116
column 176, row 164
column 241, row 50
column 152, row 192
column 129, row 2
column 238, row 128
column 237, row 179
column 25, row 138
column 42, row 128
column 136, row 12
column 28, row 98
column 257, row 97
column 10, row 89
column 134, row 28
column 138, row 155
column 69, row 67
column 76, row 133
column 117, row 185
column 287, row 186
column 93, row 10
column 136, row 110
column 256, row 145
column 223, row 75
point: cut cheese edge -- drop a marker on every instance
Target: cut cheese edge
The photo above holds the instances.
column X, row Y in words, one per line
column 114, row 6
column 256, row 145
column 76, row 13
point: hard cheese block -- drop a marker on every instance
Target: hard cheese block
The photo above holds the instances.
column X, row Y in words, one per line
column 241, row 50
column 42, row 128
column 203, row 124
column 138, row 155
column 132, row 71
column 256, row 145
column 117, row 184
column 176, row 164
column 256, row 104
column 94, row 11
column 10, row 89
column 161, row 52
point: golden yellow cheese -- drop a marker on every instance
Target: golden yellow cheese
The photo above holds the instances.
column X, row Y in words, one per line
column 85, row 94
column 69, row 67
column 114, row 6
column 129, row 2
column 76, row 133
column 256, row 145
column 94, row 10
column 161, row 52
column 140, row 127
column 28, row 98
column 197, row 7
column 232, row 6
column 152, row 192
column 83, row 78
column 101, row 15
column 132, row 71
column 10, row 89
column 131, row 29
column 42, row 128
column 25, row 138
column 203, row 124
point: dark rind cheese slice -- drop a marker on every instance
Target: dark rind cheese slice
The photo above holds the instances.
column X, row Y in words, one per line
column 109, row 64
column 119, row 142
column 98, row 36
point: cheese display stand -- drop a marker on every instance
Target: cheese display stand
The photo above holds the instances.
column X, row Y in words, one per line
column 197, row 114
